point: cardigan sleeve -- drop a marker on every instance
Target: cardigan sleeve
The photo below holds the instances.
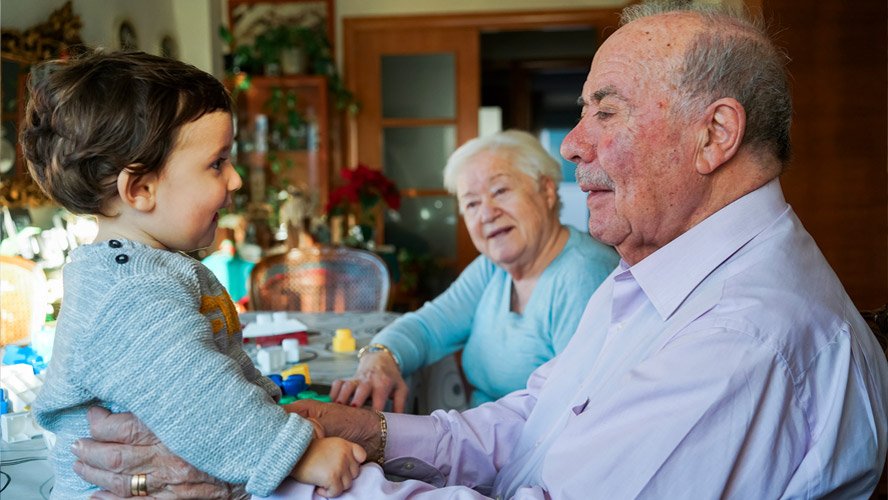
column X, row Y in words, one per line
column 441, row 326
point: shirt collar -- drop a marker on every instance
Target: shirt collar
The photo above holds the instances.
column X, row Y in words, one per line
column 670, row 274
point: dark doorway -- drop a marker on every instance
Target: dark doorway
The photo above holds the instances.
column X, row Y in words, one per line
column 535, row 77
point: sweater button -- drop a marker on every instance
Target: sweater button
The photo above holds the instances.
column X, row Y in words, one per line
column 122, row 258
column 114, row 244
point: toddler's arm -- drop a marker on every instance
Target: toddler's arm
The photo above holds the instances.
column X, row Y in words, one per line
column 331, row 464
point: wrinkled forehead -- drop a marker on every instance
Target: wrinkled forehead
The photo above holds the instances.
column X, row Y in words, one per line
column 487, row 167
column 660, row 39
column 643, row 56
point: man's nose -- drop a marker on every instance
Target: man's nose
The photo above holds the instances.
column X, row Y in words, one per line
column 577, row 144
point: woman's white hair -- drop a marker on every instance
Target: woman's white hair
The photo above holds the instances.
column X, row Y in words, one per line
column 523, row 150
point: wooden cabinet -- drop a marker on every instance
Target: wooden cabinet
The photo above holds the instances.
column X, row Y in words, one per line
column 284, row 136
column 13, row 97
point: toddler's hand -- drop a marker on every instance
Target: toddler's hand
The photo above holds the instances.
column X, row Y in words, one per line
column 331, row 464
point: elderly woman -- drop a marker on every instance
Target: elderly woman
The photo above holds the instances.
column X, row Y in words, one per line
column 512, row 309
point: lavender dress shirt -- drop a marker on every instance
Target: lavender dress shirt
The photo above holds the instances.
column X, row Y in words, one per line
column 729, row 363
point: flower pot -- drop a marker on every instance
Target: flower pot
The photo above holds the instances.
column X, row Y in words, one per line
column 293, row 61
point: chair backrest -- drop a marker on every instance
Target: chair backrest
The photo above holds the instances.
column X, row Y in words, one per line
column 320, row 279
column 877, row 319
column 22, row 299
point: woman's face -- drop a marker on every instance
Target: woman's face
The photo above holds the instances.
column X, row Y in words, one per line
column 508, row 214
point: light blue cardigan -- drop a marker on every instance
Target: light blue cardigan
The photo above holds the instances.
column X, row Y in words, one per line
column 502, row 348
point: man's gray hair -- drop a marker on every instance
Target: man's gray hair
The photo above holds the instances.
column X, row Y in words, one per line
column 733, row 57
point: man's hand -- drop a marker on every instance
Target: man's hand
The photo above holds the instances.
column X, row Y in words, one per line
column 358, row 425
column 123, row 446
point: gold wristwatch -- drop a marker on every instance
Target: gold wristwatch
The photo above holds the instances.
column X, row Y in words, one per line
column 370, row 348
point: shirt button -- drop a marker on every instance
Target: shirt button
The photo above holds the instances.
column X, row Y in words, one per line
column 122, row 258
column 114, row 244
column 408, row 466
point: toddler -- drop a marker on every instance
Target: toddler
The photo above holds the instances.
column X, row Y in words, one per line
column 143, row 143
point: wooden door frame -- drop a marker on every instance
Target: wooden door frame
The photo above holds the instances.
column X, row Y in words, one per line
column 604, row 20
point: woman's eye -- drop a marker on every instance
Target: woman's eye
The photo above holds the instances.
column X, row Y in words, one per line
column 471, row 204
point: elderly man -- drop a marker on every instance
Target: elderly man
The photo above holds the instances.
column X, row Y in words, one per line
column 722, row 358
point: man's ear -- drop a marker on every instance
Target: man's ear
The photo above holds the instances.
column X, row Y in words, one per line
column 138, row 192
column 725, row 124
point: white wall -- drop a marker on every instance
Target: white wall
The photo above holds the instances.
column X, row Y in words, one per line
column 193, row 23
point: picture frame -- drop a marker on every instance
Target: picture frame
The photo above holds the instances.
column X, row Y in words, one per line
column 12, row 103
column 58, row 36
column 249, row 18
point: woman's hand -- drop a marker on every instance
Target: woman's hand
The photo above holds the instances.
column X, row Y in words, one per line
column 378, row 377
column 122, row 446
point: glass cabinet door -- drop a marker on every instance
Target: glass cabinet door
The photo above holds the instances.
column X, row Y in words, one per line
column 420, row 96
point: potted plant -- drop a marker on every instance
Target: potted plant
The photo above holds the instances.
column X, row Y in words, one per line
column 275, row 47
column 359, row 200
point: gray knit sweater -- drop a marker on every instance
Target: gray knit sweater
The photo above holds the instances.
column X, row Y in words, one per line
column 154, row 333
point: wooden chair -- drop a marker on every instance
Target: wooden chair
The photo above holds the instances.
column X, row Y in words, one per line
column 320, row 279
column 23, row 300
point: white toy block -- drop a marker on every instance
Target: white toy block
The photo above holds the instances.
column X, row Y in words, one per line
column 291, row 348
column 264, row 324
column 271, row 359
column 21, row 385
column 19, row 426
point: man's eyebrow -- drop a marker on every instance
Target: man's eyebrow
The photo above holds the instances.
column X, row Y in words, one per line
column 608, row 91
column 598, row 95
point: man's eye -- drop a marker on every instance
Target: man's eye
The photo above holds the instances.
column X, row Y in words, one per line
column 603, row 115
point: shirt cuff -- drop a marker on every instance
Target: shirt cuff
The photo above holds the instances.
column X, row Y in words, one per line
column 410, row 436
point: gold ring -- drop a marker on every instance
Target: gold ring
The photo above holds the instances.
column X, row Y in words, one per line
column 139, row 485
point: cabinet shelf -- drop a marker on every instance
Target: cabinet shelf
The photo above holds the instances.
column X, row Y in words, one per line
column 297, row 110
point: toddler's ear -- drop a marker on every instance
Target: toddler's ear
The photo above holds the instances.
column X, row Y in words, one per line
column 139, row 192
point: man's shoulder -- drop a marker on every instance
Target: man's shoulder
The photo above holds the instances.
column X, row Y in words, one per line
column 781, row 292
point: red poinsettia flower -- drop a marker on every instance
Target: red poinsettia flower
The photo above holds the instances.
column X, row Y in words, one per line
column 362, row 191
